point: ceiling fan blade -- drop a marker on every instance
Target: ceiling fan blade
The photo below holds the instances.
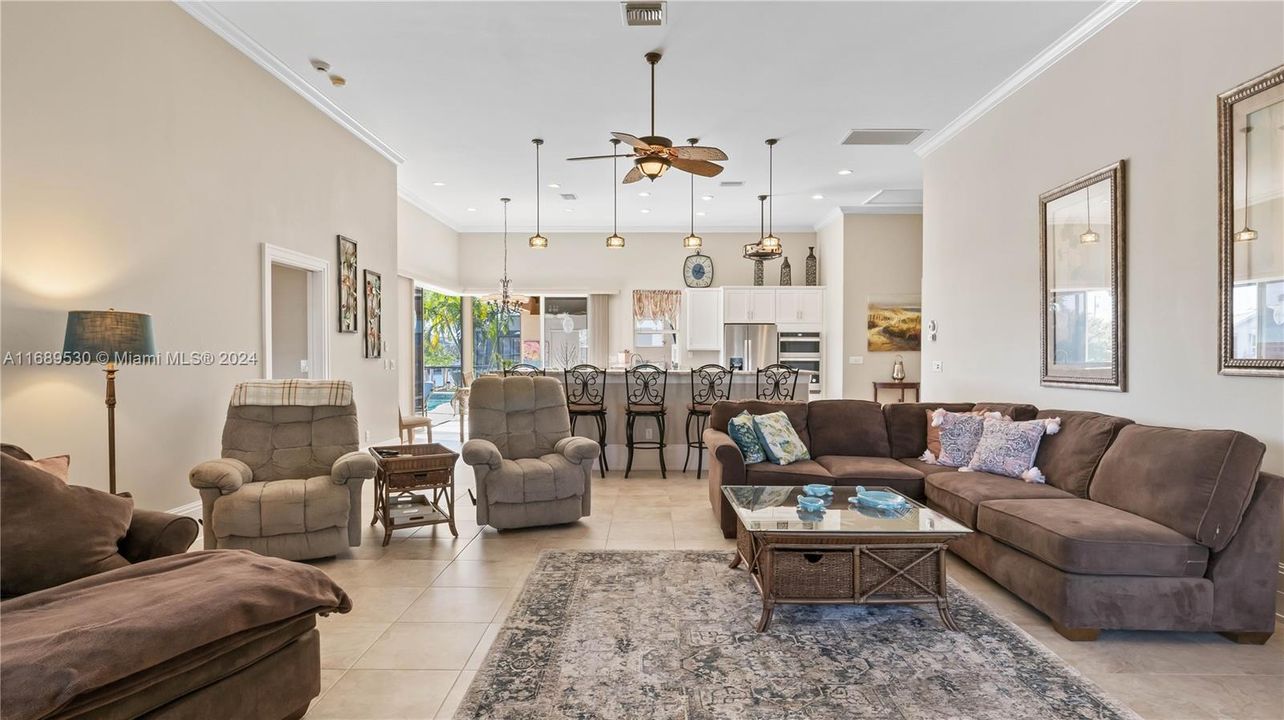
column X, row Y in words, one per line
column 689, row 152
column 633, row 175
column 703, row 168
column 630, row 140
column 600, row 157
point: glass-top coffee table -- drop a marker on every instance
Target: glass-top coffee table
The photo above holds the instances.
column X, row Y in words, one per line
column 843, row 555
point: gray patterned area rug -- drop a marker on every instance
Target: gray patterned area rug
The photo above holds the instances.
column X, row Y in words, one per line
column 670, row 635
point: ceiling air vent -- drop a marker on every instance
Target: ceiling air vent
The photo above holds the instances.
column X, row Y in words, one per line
column 643, row 14
column 569, row 196
column 732, row 183
column 882, row 137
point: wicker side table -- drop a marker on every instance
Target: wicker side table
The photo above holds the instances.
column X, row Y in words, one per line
column 414, row 487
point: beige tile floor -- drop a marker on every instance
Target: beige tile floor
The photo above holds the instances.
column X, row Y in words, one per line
column 428, row 606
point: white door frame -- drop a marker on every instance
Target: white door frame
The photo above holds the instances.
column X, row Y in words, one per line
column 319, row 318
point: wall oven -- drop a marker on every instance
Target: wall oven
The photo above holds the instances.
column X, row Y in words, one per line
column 801, row 350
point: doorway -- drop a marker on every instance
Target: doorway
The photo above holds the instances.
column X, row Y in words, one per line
column 295, row 314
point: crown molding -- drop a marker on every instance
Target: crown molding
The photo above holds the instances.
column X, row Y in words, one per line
column 1076, row 36
column 237, row 38
column 519, row 231
column 831, row 216
column 426, row 208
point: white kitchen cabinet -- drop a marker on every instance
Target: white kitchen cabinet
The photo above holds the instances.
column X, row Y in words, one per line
column 749, row 305
column 702, row 309
column 798, row 306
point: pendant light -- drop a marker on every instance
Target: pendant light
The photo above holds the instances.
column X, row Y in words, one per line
column 615, row 241
column 505, row 302
column 692, row 241
column 755, row 250
column 1089, row 237
column 537, row 241
column 770, row 241
column 1247, row 234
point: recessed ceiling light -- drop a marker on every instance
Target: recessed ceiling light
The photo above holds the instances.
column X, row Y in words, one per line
column 644, row 194
column 706, row 198
column 554, row 185
column 701, row 213
column 439, row 184
column 570, row 209
column 844, row 172
column 645, row 211
column 817, row 196
column 472, row 209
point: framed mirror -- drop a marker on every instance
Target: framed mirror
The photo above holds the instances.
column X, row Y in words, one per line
column 1250, row 164
column 1082, row 249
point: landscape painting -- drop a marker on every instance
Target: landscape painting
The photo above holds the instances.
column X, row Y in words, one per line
column 347, row 285
column 895, row 324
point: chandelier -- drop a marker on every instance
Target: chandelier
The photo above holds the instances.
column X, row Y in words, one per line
column 505, row 302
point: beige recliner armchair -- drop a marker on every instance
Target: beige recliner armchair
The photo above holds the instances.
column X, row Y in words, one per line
column 530, row 469
column 289, row 482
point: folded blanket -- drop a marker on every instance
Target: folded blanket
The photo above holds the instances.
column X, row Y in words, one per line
column 66, row 641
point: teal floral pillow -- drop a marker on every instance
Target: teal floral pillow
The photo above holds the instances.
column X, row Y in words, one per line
column 740, row 428
column 779, row 439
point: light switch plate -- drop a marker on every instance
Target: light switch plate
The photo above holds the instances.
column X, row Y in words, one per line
column 936, row 366
column 856, row 360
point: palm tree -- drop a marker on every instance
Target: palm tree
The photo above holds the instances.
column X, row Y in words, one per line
column 443, row 325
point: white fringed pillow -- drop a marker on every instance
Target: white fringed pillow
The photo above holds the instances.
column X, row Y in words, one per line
column 1008, row 448
column 958, row 434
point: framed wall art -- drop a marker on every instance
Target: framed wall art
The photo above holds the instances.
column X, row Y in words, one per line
column 347, row 285
column 374, row 314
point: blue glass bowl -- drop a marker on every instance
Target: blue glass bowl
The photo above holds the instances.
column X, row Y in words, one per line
column 878, row 499
column 817, row 489
column 811, row 504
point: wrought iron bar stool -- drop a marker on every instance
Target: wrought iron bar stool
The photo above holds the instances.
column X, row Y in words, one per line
column 523, row 369
column 644, row 387
column 709, row 384
column 776, row 382
column 586, row 397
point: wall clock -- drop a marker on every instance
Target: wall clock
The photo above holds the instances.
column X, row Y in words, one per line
column 697, row 271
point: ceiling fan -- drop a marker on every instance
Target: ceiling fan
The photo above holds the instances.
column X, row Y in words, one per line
column 654, row 154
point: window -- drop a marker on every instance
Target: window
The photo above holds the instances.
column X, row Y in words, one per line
column 438, row 336
column 566, row 333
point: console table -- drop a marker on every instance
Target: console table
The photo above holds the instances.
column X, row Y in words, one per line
column 902, row 386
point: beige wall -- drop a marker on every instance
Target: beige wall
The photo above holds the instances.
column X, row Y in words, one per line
column 882, row 258
column 427, row 248
column 1143, row 89
column 289, row 321
column 581, row 262
column 145, row 161
column 829, row 254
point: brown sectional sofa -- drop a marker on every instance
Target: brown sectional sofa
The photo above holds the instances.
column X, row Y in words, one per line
column 1138, row 527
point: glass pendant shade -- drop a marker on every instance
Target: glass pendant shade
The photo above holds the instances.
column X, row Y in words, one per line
column 1090, row 238
column 693, row 242
column 538, row 241
column 653, row 166
column 1246, row 235
column 770, row 242
column 614, row 241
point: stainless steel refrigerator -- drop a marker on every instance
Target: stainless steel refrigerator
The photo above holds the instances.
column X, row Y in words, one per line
column 749, row 346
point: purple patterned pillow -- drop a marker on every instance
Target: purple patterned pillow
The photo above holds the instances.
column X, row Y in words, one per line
column 960, row 432
column 1008, row 448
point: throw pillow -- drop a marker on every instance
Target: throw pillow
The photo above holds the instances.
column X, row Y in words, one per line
column 58, row 465
column 1008, row 448
column 957, row 435
column 740, row 428
column 779, row 439
column 52, row 533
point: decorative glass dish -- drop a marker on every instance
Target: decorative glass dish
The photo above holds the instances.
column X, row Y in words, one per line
column 818, row 489
column 878, row 499
column 810, row 504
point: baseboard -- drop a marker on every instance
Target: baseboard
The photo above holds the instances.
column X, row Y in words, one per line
column 191, row 509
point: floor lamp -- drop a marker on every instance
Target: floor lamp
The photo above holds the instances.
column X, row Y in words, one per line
column 111, row 338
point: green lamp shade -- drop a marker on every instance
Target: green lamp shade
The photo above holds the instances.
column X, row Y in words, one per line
column 109, row 335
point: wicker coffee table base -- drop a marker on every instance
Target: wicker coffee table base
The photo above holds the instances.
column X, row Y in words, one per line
column 845, row 569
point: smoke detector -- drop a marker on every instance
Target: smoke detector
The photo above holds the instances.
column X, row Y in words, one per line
column 643, row 14
column 320, row 65
column 903, row 136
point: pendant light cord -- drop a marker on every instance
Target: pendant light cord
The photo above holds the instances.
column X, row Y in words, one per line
column 1088, row 201
column 505, row 201
column 692, row 202
column 1248, row 129
column 652, row 99
column 537, row 144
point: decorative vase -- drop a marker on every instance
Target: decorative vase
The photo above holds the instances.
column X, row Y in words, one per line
column 757, row 273
column 786, row 273
column 898, row 370
column 811, row 266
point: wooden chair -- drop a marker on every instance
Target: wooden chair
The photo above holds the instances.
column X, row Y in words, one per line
column 459, row 403
column 406, row 426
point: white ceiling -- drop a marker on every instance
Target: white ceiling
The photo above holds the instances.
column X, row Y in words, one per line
column 460, row 88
